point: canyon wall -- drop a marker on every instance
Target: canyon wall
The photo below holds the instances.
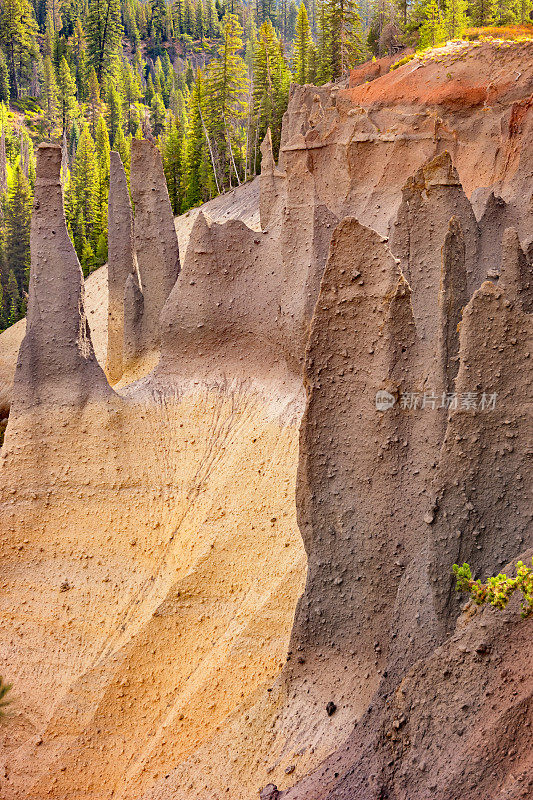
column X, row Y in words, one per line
column 231, row 573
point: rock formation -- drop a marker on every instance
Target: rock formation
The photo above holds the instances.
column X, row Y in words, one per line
column 56, row 363
column 516, row 274
column 353, row 468
column 152, row 542
column 121, row 265
column 156, row 243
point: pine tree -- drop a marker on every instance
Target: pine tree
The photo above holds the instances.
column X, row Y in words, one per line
column 481, row 12
column 227, row 82
column 172, row 164
column 81, row 197
column 17, row 226
column 211, row 17
column 103, row 33
column 455, row 18
column 27, row 157
column 189, row 17
column 200, row 26
column 80, row 60
column 48, row 42
column 312, row 57
column 17, row 29
column 195, row 157
column 524, row 9
column 178, row 16
column 158, row 21
column 50, row 94
column 103, row 151
column 123, row 149
column 301, row 46
column 114, row 112
column 504, row 12
column 178, row 106
column 270, row 91
column 87, row 259
column 167, row 78
column 157, row 114
column 132, row 95
column 344, row 36
column 101, row 250
column 13, row 313
column 13, row 295
column 323, row 71
column 150, row 91
column 432, row 31
column 4, row 79
column 94, row 98
column 66, row 93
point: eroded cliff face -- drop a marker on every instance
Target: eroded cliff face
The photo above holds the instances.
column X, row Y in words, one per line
column 333, row 407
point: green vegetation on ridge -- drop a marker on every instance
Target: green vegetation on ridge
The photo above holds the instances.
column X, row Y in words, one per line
column 204, row 79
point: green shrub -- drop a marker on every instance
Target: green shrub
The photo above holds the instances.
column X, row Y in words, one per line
column 4, row 691
column 402, row 61
column 499, row 589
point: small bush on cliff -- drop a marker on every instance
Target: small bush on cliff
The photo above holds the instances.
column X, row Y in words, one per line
column 499, row 589
column 4, row 691
column 402, row 61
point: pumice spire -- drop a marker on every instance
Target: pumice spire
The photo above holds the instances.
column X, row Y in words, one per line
column 56, row 362
column 156, row 243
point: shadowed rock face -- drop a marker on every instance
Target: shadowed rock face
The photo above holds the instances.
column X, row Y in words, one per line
column 497, row 215
column 121, row 264
column 477, row 512
column 429, row 200
column 480, row 515
column 156, row 243
column 516, row 276
column 56, row 363
column 353, row 464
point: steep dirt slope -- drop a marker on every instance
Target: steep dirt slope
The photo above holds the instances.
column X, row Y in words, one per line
column 183, row 503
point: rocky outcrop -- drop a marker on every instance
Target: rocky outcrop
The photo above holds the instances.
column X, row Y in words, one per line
column 429, row 200
column 156, row 243
column 354, row 465
column 56, row 363
column 121, row 264
column 496, row 216
column 516, row 275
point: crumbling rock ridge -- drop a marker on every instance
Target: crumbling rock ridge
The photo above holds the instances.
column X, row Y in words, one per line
column 382, row 317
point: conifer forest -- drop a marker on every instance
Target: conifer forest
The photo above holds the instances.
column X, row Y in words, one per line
column 204, row 79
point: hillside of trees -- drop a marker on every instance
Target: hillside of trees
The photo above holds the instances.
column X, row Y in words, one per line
column 203, row 78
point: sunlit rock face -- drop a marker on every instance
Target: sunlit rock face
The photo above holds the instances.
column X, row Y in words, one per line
column 232, row 573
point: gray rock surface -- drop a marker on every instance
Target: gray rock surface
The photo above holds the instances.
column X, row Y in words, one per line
column 156, row 243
